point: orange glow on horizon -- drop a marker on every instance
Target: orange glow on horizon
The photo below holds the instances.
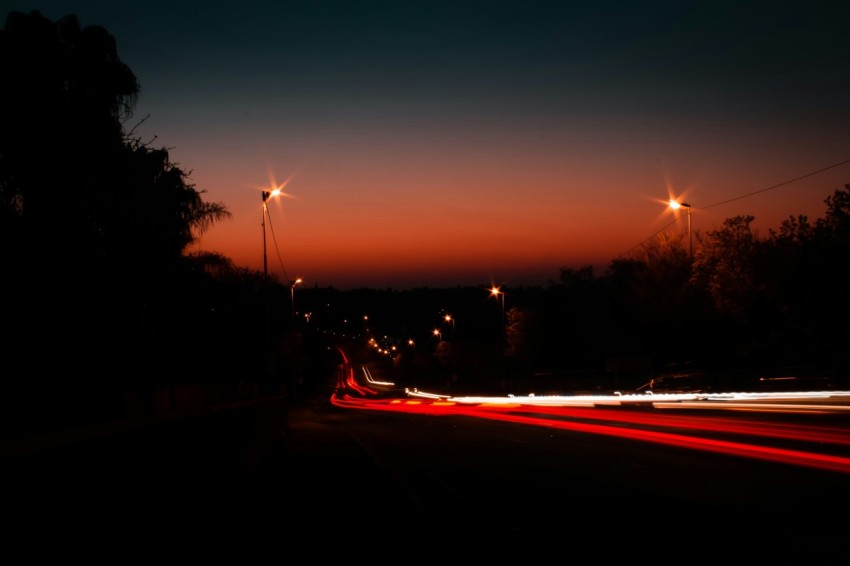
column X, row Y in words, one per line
column 384, row 231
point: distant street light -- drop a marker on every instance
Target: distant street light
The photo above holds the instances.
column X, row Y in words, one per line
column 266, row 196
column 676, row 206
column 292, row 285
column 448, row 318
column 500, row 296
column 438, row 334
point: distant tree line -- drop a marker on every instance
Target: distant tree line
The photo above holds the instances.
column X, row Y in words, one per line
column 742, row 304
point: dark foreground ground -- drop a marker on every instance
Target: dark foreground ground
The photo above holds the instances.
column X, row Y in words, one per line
column 267, row 471
column 284, row 481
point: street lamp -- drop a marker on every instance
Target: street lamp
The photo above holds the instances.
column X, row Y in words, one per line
column 292, row 285
column 266, row 196
column 675, row 205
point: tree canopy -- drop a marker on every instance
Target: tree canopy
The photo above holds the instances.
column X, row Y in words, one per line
column 95, row 225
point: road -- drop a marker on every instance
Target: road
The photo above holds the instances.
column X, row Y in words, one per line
column 760, row 476
column 380, row 471
column 471, row 478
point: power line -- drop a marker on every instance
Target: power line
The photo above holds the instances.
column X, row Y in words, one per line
column 779, row 185
column 277, row 249
column 648, row 239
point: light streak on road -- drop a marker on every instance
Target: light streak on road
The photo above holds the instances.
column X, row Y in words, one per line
column 757, row 407
column 346, row 380
column 372, row 380
column 675, row 400
column 583, row 414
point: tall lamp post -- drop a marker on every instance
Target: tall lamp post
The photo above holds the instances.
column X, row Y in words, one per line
column 675, row 205
column 266, row 196
column 292, row 285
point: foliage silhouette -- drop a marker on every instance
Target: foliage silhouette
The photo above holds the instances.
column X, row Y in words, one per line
column 102, row 294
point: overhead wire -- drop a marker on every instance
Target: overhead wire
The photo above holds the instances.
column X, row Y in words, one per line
column 630, row 250
column 276, row 248
column 778, row 185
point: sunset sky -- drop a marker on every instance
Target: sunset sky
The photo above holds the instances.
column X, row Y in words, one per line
column 433, row 143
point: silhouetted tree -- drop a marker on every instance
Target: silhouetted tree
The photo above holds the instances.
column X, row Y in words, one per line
column 725, row 265
column 64, row 94
column 834, row 231
column 835, row 225
column 577, row 318
column 524, row 339
column 94, row 224
column 659, row 312
column 811, row 267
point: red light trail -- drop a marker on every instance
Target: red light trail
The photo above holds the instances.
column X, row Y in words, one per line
column 586, row 419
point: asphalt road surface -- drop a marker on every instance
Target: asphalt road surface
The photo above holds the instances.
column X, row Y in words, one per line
column 463, row 480
column 345, row 481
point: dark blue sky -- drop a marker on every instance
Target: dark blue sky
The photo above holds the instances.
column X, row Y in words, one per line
column 438, row 142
